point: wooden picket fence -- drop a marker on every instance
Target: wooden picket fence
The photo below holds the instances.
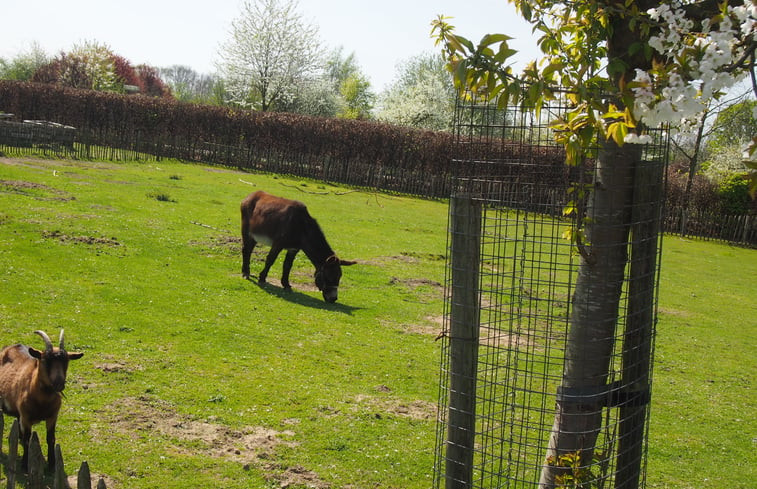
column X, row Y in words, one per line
column 738, row 229
column 35, row 477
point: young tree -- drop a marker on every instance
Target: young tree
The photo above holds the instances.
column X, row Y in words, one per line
column 271, row 49
column 353, row 87
column 23, row 66
column 630, row 65
column 358, row 98
column 423, row 95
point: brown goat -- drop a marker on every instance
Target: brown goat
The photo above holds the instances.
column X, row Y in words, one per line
column 31, row 386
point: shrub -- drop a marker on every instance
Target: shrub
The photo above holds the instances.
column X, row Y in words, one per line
column 733, row 193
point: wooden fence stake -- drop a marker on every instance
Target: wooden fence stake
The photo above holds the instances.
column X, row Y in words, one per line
column 10, row 469
column 465, row 219
column 36, row 462
column 37, row 465
column 60, row 479
column 84, row 478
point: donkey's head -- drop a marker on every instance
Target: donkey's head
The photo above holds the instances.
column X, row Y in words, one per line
column 327, row 277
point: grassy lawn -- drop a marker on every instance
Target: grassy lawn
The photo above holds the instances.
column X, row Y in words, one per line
column 703, row 429
column 195, row 377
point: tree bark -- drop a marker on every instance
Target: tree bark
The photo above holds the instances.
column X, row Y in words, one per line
column 693, row 163
column 594, row 314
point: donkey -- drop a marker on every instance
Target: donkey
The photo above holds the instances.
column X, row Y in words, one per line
column 286, row 224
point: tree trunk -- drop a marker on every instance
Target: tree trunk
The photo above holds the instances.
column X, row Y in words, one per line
column 591, row 337
column 693, row 163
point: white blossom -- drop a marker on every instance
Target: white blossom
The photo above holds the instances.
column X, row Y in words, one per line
column 685, row 88
column 634, row 138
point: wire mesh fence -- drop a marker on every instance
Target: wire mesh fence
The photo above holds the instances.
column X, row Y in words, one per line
column 520, row 361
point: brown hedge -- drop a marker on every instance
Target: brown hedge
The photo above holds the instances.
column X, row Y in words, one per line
column 360, row 153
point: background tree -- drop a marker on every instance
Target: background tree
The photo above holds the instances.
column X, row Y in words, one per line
column 271, row 49
column 338, row 89
column 150, row 83
column 629, row 65
column 353, row 87
column 23, row 66
column 314, row 96
column 423, row 95
column 89, row 65
column 734, row 127
column 94, row 66
column 720, row 142
column 357, row 96
column 188, row 85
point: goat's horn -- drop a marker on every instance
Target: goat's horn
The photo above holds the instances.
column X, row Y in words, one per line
column 61, row 340
column 48, row 343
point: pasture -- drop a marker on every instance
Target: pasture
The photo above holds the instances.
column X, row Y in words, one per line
column 195, row 377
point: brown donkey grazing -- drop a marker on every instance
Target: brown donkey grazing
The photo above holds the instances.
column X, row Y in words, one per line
column 286, row 224
column 31, row 386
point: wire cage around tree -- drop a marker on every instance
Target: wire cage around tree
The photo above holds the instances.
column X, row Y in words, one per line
column 514, row 262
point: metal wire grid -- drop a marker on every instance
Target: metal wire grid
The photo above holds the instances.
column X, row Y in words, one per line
column 526, row 274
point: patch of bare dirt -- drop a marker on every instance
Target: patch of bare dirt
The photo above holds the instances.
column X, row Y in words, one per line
column 293, row 476
column 88, row 240
column 94, row 479
column 433, row 326
column 245, row 445
column 36, row 190
column 406, row 257
column 113, row 365
column 221, row 245
column 511, row 341
column 416, row 282
column 382, row 406
column 249, row 446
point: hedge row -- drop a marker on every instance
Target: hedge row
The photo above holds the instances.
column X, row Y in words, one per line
column 359, row 153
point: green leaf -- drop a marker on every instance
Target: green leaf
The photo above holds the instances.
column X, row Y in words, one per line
column 490, row 39
column 504, row 53
column 618, row 132
column 525, row 9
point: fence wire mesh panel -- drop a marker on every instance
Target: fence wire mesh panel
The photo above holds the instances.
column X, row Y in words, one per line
column 518, row 363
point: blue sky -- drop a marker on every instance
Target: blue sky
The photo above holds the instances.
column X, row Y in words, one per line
column 189, row 32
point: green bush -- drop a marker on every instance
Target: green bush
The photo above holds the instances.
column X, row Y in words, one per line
column 734, row 194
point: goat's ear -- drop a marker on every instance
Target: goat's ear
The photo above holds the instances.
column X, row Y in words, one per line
column 35, row 353
column 75, row 355
column 346, row 263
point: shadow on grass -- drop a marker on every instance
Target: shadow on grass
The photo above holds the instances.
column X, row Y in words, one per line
column 296, row 297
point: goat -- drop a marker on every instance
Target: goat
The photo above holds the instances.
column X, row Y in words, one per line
column 31, row 386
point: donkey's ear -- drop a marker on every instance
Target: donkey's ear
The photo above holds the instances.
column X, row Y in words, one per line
column 346, row 263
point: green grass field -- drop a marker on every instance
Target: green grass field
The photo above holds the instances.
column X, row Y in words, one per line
column 195, row 377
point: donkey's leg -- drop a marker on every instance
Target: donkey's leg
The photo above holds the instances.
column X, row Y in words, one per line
column 248, row 243
column 270, row 259
column 288, row 260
